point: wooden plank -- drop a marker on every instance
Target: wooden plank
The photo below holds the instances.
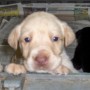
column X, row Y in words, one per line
column 14, row 82
column 55, row 82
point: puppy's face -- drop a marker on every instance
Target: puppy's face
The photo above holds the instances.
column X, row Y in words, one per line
column 41, row 38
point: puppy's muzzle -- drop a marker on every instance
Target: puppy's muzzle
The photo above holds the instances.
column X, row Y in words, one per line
column 42, row 58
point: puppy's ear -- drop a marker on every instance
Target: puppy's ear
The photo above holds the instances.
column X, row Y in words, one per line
column 68, row 34
column 14, row 37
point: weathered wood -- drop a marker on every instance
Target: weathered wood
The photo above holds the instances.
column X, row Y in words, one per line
column 55, row 82
column 34, row 81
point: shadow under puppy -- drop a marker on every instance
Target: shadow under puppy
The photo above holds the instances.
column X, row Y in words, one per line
column 40, row 42
column 81, row 58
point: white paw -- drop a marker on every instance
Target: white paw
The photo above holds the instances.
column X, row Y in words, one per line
column 62, row 70
column 15, row 69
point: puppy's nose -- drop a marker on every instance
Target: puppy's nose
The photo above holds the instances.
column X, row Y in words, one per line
column 41, row 59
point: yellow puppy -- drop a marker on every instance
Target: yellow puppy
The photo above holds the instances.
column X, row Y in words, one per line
column 40, row 42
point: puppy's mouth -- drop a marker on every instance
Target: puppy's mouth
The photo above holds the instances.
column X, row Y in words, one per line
column 42, row 61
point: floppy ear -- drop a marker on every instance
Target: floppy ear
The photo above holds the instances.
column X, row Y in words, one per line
column 14, row 37
column 68, row 34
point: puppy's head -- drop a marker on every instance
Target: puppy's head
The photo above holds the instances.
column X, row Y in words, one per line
column 41, row 37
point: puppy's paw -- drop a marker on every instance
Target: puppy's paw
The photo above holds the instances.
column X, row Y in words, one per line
column 62, row 70
column 15, row 69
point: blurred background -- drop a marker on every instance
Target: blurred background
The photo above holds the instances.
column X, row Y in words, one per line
column 43, row 1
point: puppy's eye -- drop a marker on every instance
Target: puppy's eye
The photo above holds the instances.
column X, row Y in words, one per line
column 27, row 39
column 55, row 38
